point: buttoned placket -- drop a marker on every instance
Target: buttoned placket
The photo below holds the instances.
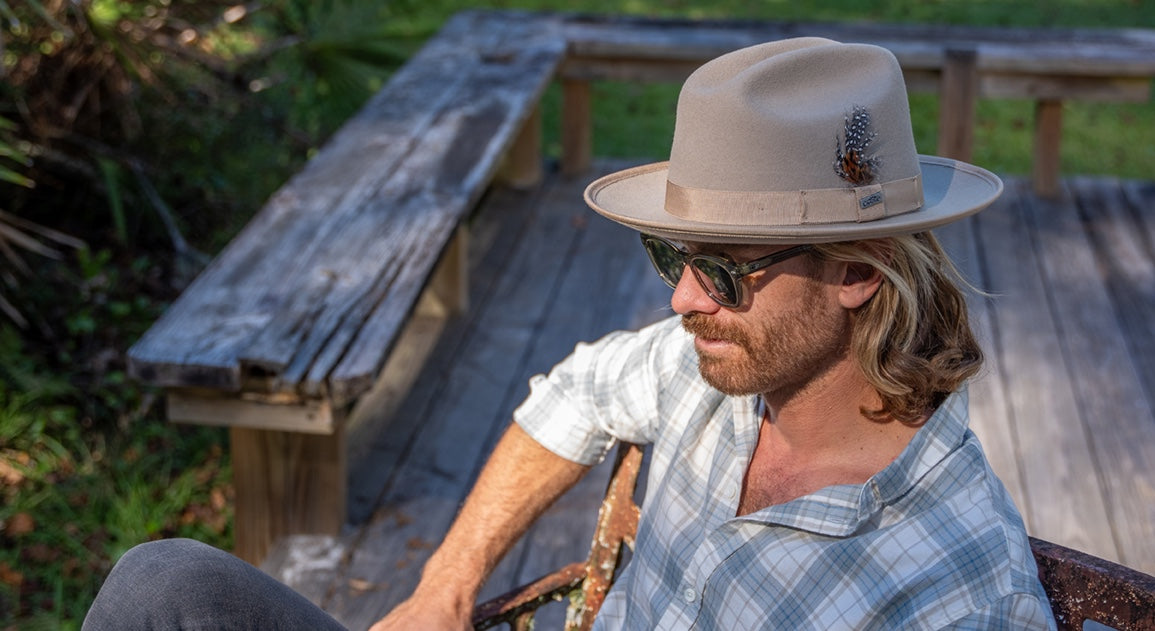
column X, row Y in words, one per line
column 721, row 541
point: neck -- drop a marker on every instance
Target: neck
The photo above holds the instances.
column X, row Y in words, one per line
column 817, row 436
column 825, row 414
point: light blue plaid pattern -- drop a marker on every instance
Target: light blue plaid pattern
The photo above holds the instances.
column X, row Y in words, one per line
column 931, row 542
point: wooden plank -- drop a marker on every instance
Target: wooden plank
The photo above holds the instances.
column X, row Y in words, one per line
column 1064, row 494
column 1117, row 420
column 1018, row 85
column 576, row 127
column 231, row 299
column 375, row 410
column 1087, row 52
column 959, row 97
column 286, row 483
column 449, row 286
column 289, row 414
column 523, row 166
column 629, row 69
column 610, row 262
column 376, row 433
column 241, row 291
column 1048, row 137
column 528, row 317
column 501, row 224
column 1131, row 281
column 990, row 413
column 437, row 185
column 1140, row 195
column 607, row 261
column 361, row 361
column 431, row 475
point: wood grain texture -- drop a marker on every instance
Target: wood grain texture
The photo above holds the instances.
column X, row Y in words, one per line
column 1049, row 445
column 959, row 97
column 1037, row 51
column 310, row 297
column 277, row 475
column 1117, row 423
column 315, row 288
column 1064, row 491
column 990, row 417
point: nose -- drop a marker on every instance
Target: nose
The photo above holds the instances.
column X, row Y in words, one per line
column 689, row 297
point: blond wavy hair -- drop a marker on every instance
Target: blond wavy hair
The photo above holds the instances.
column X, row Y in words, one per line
column 913, row 338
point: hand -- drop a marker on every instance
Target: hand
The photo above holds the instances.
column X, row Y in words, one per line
column 417, row 614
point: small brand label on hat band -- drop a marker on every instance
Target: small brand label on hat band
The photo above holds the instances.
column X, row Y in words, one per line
column 870, row 200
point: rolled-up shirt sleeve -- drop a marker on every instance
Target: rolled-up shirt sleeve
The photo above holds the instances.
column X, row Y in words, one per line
column 604, row 391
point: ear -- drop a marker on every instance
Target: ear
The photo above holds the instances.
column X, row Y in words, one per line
column 860, row 282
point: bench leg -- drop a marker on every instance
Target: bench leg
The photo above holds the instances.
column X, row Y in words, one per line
column 286, row 483
column 449, row 286
column 577, row 127
column 522, row 168
column 1048, row 137
column 957, row 101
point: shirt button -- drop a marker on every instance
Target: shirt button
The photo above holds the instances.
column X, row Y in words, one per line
column 689, row 595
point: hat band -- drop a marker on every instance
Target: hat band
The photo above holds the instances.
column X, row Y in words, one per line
column 792, row 208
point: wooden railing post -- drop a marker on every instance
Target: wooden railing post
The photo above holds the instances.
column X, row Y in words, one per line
column 577, row 127
column 1048, row 138
column 958, row 96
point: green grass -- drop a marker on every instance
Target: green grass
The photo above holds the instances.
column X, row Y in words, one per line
column 632, row 120
column 75, row 499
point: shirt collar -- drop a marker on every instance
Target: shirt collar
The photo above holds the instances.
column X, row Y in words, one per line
column 839, row 511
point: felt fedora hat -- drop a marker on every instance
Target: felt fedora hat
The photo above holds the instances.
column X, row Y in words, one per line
column 802, row 140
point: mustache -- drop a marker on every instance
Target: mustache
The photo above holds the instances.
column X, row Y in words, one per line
column 703, row 326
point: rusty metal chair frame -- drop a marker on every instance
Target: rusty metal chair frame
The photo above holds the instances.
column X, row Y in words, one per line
column 586, row 582
column 1081, row 587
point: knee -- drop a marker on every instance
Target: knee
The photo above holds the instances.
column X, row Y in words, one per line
column 147, row 580
column 165, row 560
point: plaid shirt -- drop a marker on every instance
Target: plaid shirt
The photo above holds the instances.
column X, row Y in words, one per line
column 931, row 541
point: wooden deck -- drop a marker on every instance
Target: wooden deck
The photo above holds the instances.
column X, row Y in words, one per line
column 1064, row 407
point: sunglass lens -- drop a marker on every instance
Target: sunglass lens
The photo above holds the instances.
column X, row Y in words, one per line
column 717, row 282
column 667, row 260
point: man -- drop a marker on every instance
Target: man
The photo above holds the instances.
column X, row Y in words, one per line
column 811, row 465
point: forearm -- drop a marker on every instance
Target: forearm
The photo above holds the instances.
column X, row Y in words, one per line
column 520, row 481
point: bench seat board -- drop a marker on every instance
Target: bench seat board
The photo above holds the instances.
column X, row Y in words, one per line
column 310, row 296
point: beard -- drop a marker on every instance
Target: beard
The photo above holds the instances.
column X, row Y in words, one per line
column 776, row 355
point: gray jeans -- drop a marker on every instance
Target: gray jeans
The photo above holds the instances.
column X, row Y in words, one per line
column 185, row 584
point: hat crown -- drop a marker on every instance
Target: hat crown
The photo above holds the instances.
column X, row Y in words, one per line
column 779, row 117
column 796, row 141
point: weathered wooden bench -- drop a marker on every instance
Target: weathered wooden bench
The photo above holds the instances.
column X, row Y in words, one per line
column 296, row 318
column 1082, row 588
column 339, row 285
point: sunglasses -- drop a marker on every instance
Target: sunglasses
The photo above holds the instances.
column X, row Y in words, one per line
column 721, row 279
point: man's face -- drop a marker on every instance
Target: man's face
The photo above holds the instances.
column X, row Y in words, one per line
column 788, row 331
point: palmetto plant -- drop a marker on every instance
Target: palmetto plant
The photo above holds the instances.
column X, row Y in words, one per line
column 18, row 234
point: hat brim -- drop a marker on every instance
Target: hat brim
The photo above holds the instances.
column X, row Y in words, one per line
column 636, row 198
